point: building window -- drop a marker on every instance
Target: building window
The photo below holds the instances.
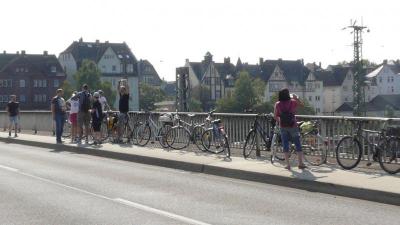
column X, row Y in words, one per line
column 317, row 98
column 345, row 88
column 6, row 83
column 114, row 68
column 113, row 82
column 346, row 99
column 22, row 83
column 380, row 79
column 217, row 81
column 392, row 89
column 44, row 83
column 310, row 98
column 53, row 69
column 392, row 79
column 207, row 81
column 56, row 83
column 22, row 98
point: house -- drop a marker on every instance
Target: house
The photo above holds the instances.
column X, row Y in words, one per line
column 214, row 77
column 337, row 87
column 33, row 78
column 379, row 106
column 147, row 74
column 384, row 80
column 115, row 61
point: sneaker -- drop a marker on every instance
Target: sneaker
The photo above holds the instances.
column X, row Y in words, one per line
column 302, row 166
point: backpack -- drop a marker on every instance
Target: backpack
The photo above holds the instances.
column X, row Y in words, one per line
column 287, row 117
column 84, row 101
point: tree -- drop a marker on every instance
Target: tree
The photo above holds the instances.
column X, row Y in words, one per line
column 259, row 89
column 68, row 89
column 389, row 111
column 202, row 95
column 195, row 105
column 89, row 74
column 148, row 96
column 307, row 109
column 244, row 94
column 227, row 104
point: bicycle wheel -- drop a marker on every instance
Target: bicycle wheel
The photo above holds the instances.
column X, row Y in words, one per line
column 389, row 156
column 250, row 145
column 66, row 129
column 143, row 134
column 213, row 142
column 104, row 131
column 196, row 135
column 277, row 148
column 314, row 149
column 178, row 138
column 162, row 134
column 348, row 152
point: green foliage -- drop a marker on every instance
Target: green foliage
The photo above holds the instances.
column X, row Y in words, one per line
column 259, row 89
column 264, row 107
column 389, row 111
column 148, row 96
column 68, row 90
column 307, row 109
column 195, row 105
column 89, row 74
column 227, row 104
column 244, row 95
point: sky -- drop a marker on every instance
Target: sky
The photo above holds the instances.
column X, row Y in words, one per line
column 166, row 32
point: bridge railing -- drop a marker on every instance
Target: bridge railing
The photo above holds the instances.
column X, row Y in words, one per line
column 332, row 128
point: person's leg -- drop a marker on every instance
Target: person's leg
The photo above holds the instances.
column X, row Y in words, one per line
column 297, row 143
column 285, row 145
column 80, row 124
column 10, row 125
column 62, row 121
column 58, row 128
column 16, row 125
column 87, row 125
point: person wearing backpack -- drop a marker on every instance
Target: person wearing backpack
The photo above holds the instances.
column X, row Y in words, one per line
column 285, row 115
column 84, row 112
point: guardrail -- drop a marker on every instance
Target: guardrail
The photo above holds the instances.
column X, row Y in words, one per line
column 332, row 128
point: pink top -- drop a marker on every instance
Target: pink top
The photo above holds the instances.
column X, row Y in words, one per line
column 290, row 105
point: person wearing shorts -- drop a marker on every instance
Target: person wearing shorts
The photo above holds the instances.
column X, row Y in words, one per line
column 84, row 112
column 287, row 105
column 73, row 104
column 13, row 113
column 97, row 117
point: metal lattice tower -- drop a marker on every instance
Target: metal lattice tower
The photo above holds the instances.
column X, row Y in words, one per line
column 359, row 105
column 182, row 89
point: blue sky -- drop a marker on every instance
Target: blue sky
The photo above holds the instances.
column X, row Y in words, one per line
column 168, row 32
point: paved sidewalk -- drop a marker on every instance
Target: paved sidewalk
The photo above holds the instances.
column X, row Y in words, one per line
column 373, row 186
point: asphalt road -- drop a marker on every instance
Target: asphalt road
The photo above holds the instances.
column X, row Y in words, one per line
column 43, row 186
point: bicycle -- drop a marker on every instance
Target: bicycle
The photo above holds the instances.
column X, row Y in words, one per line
column 313, row 145
column 257, row 130
column 146, row 131
column 180, row 136
column 387, row 151
column 215, row 139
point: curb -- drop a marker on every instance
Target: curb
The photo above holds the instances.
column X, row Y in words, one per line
column 307, row 185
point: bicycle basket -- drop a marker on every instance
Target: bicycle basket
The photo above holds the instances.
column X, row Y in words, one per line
column 307, row 127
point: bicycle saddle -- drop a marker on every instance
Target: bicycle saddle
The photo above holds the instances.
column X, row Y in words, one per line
column 216, row 121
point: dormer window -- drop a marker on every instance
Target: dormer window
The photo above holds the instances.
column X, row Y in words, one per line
column 53, row 69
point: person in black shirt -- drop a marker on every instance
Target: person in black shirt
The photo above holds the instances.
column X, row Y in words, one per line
column 97, row 117
column 13, row 113
column 58, row 108
column 123, row 90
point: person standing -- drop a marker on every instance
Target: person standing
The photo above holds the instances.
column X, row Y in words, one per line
column 97, row 117
column 84, row 114
column 58, row 108
column 73, row 103
column 123, row 107
column 13, row 113
column 103, row 101
column 285, row 115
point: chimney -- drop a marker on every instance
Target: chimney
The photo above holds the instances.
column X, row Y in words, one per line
column 227, row 60
column 385, row 61
column 97, row 41
column 80, row 40
column 187, row 60
column 17, row 52
column 319, row 64
column 45, row 53
column 4, row 52
column 22, row 52
column 260, row 60
column 106, row 42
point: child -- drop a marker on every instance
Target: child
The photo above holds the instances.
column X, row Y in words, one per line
column 73, row 104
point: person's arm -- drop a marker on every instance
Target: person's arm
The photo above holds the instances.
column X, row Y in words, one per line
column 127, row 87
column 299, row 102
column 276, row 116
column 7, row 109
column 53, row 110
column 119, row 87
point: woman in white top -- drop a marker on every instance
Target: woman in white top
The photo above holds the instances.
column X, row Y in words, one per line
column 73, row 104
column 103, row 101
